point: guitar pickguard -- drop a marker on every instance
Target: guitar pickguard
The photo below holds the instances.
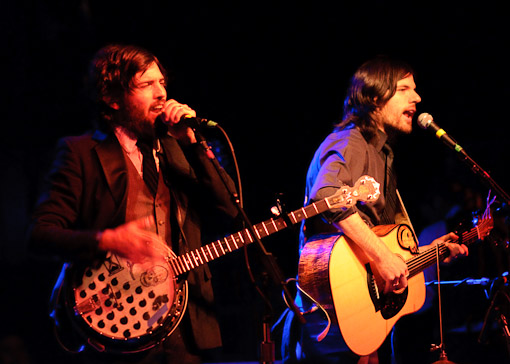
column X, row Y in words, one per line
column 388, row 304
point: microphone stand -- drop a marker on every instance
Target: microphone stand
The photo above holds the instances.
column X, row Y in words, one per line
column 267, row 345
column 480, row 172
column 443, row 358
column 491, row 183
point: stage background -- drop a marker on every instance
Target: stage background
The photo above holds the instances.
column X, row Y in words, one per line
column 273, row 75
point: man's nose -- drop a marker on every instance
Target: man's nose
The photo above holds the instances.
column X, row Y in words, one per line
column 416, row 98
column 159, row 90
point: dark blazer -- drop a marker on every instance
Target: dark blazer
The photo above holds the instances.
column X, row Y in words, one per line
column 87, row 193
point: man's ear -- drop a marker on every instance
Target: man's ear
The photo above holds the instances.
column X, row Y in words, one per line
column 111, row 102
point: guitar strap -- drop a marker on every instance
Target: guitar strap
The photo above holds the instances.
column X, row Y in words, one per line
column 401, row 215
column 394, row 201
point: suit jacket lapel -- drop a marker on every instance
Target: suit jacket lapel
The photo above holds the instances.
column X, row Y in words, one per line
column 113, row 163
column 177, row 168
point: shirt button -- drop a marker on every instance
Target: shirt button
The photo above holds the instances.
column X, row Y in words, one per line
column 161, row 222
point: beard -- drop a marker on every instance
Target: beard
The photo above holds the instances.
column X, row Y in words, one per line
column 137, row 123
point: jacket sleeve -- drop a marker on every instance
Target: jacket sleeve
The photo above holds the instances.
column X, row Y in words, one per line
column 55, row 226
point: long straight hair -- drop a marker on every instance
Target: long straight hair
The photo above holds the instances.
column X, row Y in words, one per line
column 372, row 85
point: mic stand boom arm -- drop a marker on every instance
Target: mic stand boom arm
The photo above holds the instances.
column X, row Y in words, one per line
column 486, row 178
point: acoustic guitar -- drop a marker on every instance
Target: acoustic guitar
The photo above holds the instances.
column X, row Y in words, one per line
column 337, row 274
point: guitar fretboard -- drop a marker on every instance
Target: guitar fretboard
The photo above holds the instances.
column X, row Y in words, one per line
column 221, row 247
column 418, row 263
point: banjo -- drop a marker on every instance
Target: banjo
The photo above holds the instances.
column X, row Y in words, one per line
column 118, row 306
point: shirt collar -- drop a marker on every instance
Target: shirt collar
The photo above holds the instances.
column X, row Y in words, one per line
column 380, row 140
column 125, row 140
column 128, row 143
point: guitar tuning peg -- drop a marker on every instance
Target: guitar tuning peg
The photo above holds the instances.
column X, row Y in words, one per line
column 275, row 211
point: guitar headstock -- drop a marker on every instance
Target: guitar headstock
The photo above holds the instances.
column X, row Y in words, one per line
column 366, row 189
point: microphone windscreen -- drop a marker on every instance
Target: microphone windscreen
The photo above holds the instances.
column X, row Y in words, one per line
column 424, row 120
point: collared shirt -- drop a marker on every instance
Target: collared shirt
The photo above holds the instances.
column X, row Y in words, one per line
column 340, row 160
column 129, row 146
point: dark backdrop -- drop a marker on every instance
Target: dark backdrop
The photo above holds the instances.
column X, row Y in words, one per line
column 273, row 74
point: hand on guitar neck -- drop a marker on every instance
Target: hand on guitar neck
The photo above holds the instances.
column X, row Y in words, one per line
column 134, row 241
column 455, row 249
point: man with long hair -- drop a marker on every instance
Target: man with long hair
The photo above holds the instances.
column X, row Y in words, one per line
column 135, row 187
column 380, row 104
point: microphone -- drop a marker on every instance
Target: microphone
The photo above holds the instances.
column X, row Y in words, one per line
column 426, row 121
column 195, row 123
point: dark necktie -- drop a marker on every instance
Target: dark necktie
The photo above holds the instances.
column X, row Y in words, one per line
column 149, row 170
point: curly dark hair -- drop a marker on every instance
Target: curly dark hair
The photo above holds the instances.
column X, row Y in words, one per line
column 373, row 84
column 111, row 75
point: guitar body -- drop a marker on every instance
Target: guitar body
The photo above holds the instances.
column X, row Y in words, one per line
column 122, row 307
column 335, row 272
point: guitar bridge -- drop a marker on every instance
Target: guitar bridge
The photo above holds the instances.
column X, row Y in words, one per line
column 88, row 305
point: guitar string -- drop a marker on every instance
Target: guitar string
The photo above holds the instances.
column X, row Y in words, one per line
column 486, row 225
column 188, row 261
column 427, row 257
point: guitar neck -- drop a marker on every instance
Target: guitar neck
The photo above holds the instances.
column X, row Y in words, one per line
column 228, row 244
column 424, row 260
